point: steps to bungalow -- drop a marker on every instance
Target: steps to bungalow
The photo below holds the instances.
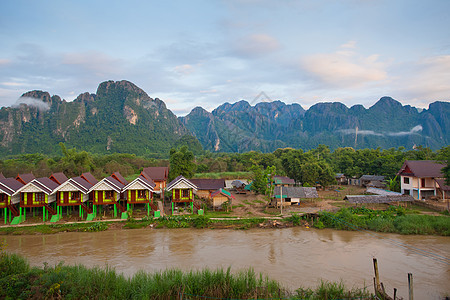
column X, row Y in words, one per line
column 13, row 210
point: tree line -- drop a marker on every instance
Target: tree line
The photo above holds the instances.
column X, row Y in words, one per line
column 315, row 166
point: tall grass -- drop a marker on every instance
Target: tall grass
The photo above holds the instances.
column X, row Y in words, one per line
column 393, row 220
column 19, row 281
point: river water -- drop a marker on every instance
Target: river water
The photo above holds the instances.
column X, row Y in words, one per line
column 293, row 256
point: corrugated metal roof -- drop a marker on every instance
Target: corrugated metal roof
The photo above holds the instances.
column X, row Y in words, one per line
column 380, row 191
column 378, row 198
column 283, row 180
column 119, row 177
column 295, row 192
column 28, row 177
column 223, row 192
column 146, row 182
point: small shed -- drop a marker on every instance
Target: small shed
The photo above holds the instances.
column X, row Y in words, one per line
column 292, row 195
column 372, row 181
column 221, row 196
column 340, row 178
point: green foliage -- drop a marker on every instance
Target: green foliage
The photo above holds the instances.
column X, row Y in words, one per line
column 262, row 179
column 395, row 219
column 97, row 226
column 181, row 163
column 444, row 157
column 200, row 221
column 332, row 290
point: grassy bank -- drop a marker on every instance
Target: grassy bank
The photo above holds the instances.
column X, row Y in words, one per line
column 394, row 220
column 20, row 281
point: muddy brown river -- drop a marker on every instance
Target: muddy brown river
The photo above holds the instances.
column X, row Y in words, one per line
column 293, row 256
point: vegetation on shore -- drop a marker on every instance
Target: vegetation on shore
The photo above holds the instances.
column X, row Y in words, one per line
column 18, row 280
column 393, row 220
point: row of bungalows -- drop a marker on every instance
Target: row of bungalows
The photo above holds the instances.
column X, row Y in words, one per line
column 84, row 192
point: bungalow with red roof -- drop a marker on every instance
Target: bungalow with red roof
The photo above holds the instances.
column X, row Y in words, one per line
column 35, row 194
column 207, row 186
column 72, row 193
column 108, row 192
column 140, row 191
column 422, row 179
column 159, row 176
column 182, row 191
column 9, row 198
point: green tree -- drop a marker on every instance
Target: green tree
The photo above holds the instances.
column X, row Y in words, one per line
column 444, row 157
column 181, row 163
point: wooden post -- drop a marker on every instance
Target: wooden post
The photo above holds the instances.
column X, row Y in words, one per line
column 377, row 275
column 410, row 286
column 395, row 294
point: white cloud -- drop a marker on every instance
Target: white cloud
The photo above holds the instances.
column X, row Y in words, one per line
column 344, row 69
column 185, row 69
column 39, row 104
column 414, row 130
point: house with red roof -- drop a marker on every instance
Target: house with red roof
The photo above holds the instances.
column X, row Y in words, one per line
column 159, row 175
column 38, row 194
column 140, row 191
column 182, row 192
column 423, row 179
column 108, row 191
column 8, row 197
column 74, row 193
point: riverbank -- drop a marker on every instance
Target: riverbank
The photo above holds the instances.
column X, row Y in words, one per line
column 19, row 280
column 393, row 220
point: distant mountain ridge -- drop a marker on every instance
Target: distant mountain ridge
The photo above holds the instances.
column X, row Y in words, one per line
column 121, row 117
column 266, row 126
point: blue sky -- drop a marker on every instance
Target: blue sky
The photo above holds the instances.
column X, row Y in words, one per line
column 205, row 53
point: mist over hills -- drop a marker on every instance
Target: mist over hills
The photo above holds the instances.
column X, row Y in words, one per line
column 121, row 117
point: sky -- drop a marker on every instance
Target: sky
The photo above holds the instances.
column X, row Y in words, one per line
column 206, row 52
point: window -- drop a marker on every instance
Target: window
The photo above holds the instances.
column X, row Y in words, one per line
column 406, row 192
column 141, row 194
column 76, row 196
column 422, row 183
column 40, row 197
column 185, row 194
column 406, row 180
column 109, row 195
column 3, row 197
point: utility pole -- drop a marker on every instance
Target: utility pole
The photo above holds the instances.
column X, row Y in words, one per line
column 281, row 195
